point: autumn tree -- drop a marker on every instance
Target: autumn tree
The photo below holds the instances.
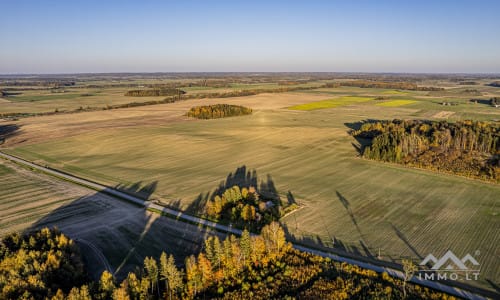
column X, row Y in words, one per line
column 170, row 274
column 151, row 268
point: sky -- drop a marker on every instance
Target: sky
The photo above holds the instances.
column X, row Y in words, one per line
column 87, row 36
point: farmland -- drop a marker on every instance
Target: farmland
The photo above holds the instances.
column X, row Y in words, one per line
column 297, row 143
column 330, row 103
column 395, row 103
column 124, row 233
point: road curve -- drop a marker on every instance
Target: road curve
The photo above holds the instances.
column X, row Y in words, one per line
column 185, row 217
column 98, row 253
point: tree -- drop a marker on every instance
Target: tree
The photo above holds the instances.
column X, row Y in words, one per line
column 205, row 268
column 81, row 293
column 106, row 285
column 248, row 212
column 409, row 268
column 246, row 246
column 133, row 285
column 121, row 293
column 151, row 268
column 274, row 236
column 193, row 276
column 170, row 274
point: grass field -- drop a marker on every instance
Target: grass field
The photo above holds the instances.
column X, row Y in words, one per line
column 123, row 232
column 363, row 206
column 330, row 103
column 394, row 92
column 396, row 103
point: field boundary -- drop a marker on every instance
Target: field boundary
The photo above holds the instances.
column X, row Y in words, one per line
column 459, row 289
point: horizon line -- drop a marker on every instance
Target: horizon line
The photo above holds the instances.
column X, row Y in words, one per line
column 252, row 72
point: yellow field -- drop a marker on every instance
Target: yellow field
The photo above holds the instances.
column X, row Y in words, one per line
column 330, row 103
column 396, row 103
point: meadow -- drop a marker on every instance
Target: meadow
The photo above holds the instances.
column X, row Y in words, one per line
column 298, row 144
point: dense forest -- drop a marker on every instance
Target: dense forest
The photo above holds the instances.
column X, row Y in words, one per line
column 39, row 265
column 464, row 148
column 245, row 208
column 155, row 92
column 218, row 111
column 47, row 265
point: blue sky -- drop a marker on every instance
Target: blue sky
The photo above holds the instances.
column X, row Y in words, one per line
column 169, row 36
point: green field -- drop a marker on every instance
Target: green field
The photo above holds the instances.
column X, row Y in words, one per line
column 330, row 103
column 365, row 206
column 394, row 92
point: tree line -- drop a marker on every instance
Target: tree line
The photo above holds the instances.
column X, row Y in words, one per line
column 155, row 92
column 218, row 111
column 468, row 148
column 383, row 85
column 47, row 265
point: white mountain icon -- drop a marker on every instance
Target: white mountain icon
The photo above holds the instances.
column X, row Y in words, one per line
column 450, row 260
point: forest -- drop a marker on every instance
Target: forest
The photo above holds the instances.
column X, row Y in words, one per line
column 155, row 92
column 245, row 208
column 466, row 148
column 47, row 265
column 218, row 111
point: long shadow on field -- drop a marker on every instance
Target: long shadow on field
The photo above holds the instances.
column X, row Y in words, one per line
column 403, row 238
column 331, row 242
column 348, row 209
column 336, row 246
column 242, row 177
column 8, row 131
column 139, row 189
column 117, row 235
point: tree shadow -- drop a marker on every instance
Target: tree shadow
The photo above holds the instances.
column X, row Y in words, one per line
column 139, row 189
column 290, row 198
column 8, row 131
column 117, row 235
column 481, row 101
column 348, row 209
column 361, row 141
column 242, row 177
column 403, row 238
column 339, row 247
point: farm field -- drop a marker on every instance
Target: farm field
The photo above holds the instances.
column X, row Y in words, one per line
column 330, row 103
column 72, row 99
column 124, row 233
column 358, row 206
column 397, row 102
